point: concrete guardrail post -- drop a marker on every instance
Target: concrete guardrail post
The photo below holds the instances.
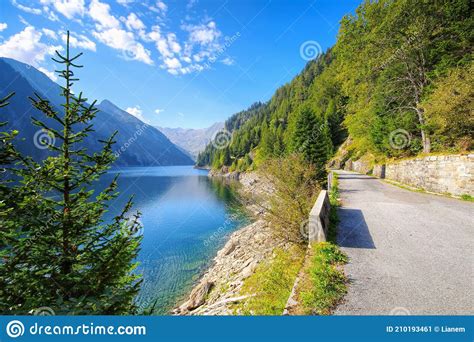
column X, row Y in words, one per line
column 329, row 180
column 319, row 218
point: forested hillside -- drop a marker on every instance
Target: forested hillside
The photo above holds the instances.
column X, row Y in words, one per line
column 398, row 82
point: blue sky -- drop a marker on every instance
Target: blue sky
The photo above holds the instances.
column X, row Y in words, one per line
column 186, row 63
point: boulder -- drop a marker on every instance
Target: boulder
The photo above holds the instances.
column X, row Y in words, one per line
column 197, row 296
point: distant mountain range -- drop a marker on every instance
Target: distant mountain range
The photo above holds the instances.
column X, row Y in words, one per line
column 137, row 144
column 191, row 140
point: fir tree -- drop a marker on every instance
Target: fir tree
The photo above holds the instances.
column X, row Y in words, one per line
column 8, row 155
column 334, row 119
column 312, row 139
column 63, row 254
column 7, row 152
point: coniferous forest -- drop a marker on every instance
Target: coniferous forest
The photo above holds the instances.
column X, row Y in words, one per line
column 397, row 65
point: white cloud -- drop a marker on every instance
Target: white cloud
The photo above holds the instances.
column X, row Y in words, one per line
column 203, row 34
column 202, row 46
column 68, row 8
column 172, row 43
column 3, row 26
column 23, row 21
column 139, row 53
column 158, row 110
column 114, row 37
column 134, row 23
column 26, row 46
column 79, row 41
column 191, row 4
column 100, row 13
column 26, row 9
column 136, row 112
column 228, row 61
column 192, row 49
column 172, row 63
column 48, row 73
column 50, row 14
column 124, row 41
column 49, row 33
column 158, row 7
column 109, row 32
column 161, row 42
column 162, row 6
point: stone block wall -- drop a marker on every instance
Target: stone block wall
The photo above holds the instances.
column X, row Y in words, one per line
column 379, row 171
column 451, row 174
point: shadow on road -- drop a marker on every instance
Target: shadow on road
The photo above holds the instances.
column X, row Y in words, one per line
column 352, row 229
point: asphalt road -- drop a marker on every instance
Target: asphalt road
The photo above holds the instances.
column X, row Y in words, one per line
column 409, row 253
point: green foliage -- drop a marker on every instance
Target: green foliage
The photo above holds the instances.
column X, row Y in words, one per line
column 57, row 251
column 388, row 55
column 266, row 131
column 8, row 155
column 312, row 139
column 333, row 217
column 295, row 190
column 379, row 77
column 271, row 283
column 324, row 284
column 449, row 109
column 7, row 150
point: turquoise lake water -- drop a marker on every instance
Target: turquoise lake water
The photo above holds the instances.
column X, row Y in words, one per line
column 187, row 217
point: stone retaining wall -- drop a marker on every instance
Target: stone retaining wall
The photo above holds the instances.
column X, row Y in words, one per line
column 449, row 174
column 452, row 174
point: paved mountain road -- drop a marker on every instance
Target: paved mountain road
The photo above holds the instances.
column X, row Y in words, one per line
column 409, row 252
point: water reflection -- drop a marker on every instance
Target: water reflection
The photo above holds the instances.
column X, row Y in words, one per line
column 187, row 218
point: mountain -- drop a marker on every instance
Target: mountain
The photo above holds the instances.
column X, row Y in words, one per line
column 192, row 141
column 137, row 144
column 392, row 102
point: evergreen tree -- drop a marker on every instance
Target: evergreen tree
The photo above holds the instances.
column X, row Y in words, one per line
column 8, row 155
column 313, row 140
column 61, row 253
column 7, row 152
column 334, row 119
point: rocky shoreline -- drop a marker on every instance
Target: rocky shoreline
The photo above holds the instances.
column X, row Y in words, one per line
column 220, row 286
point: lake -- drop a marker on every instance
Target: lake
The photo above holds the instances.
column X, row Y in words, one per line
column 187, row 217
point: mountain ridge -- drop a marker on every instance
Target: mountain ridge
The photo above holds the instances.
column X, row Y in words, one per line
column 137, row 143
column 191, row 140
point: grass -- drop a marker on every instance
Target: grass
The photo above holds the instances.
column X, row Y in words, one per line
column 325, row 283
column 271, row 283
column 334, row 200
column 464, row 197
column 322, row 284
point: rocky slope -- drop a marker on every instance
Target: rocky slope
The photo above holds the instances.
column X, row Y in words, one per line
column 220, row 286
